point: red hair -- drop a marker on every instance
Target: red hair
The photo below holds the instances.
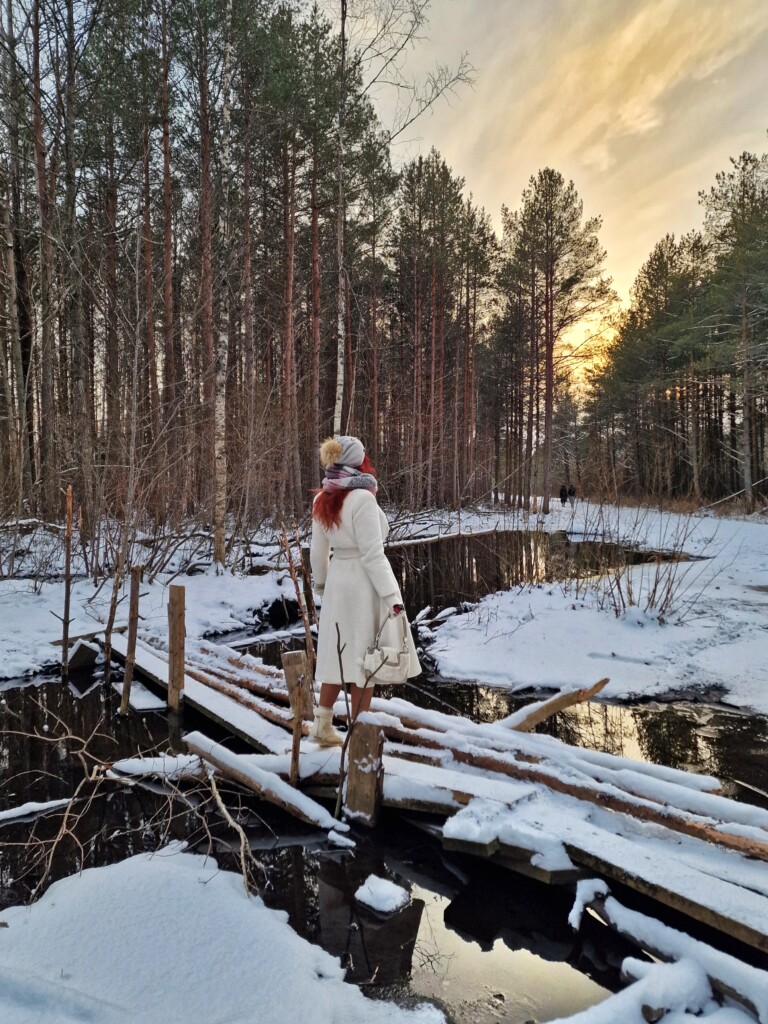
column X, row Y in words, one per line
column 327, row 505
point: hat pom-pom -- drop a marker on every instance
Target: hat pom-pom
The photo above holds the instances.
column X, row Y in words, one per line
column 330, row 451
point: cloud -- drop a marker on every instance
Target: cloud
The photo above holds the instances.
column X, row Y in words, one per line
column 627, row 97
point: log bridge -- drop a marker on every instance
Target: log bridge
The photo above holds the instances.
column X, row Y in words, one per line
column 497, row 791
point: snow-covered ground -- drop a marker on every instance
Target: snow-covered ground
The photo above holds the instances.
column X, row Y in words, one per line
column 169, row 937
column 713, row 634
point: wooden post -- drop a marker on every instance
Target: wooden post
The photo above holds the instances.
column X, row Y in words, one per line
column 298, row 679
column 133, row 625
column 67, row 587
column 176, row 634
column 365, row 778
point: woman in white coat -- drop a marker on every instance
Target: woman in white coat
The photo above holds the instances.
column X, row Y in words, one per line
column 354, row 578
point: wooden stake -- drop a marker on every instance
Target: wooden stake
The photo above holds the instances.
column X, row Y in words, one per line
column 176, row 635
column 298, row 679
column 67, row 587
column 133, row 625
column 365, row 778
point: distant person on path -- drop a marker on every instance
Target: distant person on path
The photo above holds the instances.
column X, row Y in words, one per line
column 572, row 495
column 563, row 494
column 352, row 574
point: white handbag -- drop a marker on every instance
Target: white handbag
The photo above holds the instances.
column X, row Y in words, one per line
column 388, row 662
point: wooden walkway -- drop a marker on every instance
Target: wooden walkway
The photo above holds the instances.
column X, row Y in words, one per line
column 523, row 800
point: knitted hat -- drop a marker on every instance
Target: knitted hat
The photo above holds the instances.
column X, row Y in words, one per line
column 346, row 450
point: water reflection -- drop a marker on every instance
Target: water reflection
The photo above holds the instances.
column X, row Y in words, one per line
column 446, row 572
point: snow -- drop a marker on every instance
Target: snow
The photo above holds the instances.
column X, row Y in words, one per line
column 169, row 937
column 167, row 766
column 141, row 698
column 382, row 895
column 214, row 604
column 31, row 808
column 550, row 636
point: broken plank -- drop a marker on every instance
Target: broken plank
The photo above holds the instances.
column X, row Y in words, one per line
column 739, row 981
column 529, row 717
column 267, row 785
column 737, row 912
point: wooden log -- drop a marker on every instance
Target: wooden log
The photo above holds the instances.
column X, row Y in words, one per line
column 670, row 818
column 93, row 635
column 298, row 679
column 365, row 777
column 527, row 719
column 176, row 637
column 133, row 627
column 204, row 752
column 594, row 792
column 276, row 715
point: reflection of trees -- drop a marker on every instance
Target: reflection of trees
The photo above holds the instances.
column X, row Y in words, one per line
column 604, row 727
column 669, row 737
column 109, row 822
column 445, row 572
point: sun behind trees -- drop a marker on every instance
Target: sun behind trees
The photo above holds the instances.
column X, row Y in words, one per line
column 681, row 409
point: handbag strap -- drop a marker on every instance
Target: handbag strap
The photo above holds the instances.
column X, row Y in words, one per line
column 391, row 615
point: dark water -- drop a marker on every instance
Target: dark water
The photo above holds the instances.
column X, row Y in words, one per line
column 444, row 573
column 489, row 945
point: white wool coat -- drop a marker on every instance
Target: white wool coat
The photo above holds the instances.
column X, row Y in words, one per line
column 358, row 588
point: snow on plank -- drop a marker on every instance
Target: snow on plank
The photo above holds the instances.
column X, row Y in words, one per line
column 499, row 737
column 241, row 721
column 408, row 783
column 733, row 909
column 734, row 978
column 268, row 786
column 31, row 809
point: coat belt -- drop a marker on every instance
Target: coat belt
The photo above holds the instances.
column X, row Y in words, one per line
column 346, row 552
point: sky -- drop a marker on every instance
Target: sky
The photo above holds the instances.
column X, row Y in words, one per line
column 639, row 102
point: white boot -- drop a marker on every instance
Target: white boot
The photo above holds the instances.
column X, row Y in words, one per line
column 322, row 730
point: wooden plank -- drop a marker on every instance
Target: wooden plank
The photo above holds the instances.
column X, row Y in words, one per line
column 694, row 907
column 665, row 944
column 365, row 776
column 205, row 752
column 152, row 666
column 93, row 635
column 82, row 655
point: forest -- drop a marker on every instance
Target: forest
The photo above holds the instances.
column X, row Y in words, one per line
column 211, row 260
